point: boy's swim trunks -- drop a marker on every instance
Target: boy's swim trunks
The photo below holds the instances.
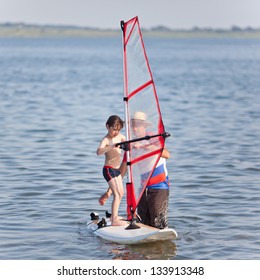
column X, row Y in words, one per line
column 110, row 172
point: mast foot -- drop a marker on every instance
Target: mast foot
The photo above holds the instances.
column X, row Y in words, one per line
column 132, row 225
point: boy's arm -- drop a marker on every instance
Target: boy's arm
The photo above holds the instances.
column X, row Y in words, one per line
column 104, row 147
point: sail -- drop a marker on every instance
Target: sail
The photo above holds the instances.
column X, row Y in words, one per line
column 142, row 114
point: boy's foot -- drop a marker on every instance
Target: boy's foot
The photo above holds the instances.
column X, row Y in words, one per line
column 119, row 223
column 103, row 198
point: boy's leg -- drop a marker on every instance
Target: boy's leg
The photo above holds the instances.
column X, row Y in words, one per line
column 116, row 186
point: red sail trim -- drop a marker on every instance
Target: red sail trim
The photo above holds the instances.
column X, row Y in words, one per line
column 131, row 31
column 145, row 55
column 140, row 88
column 159, row 151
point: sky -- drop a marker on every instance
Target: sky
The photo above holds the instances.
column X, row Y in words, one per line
column 176, row 14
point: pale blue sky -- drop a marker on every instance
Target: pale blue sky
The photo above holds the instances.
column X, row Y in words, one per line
column 108, row 13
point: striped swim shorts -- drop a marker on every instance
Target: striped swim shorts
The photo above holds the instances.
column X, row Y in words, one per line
column 110, row 173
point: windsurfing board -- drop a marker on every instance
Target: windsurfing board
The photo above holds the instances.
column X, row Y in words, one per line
column 121, row 235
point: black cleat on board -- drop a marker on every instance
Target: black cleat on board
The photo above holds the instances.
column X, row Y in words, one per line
column 94, row 216
column 108, row 215
column 102, row 223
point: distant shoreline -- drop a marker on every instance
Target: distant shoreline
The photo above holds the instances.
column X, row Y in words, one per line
column 21, row 30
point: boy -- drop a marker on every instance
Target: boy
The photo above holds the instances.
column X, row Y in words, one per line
column 111, row 167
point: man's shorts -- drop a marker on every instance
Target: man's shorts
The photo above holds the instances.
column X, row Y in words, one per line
column 153, row 208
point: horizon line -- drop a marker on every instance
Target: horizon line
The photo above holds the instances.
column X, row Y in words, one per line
column 154, row 28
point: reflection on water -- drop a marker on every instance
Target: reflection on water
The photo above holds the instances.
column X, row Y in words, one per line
column 152, row 251
column 158, row 250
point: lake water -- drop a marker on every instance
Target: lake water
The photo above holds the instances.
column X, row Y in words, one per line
column 55, row 96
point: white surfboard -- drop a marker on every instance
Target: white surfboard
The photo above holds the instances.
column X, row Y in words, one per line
column 121, row 235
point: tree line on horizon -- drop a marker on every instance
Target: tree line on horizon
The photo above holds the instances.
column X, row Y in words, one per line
column 162, row 28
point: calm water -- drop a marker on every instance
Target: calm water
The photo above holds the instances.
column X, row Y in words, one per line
column 56, row 94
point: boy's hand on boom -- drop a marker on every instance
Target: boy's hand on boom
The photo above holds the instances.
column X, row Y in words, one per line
column 123, row 146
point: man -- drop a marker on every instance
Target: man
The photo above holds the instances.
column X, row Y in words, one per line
column 153, row 206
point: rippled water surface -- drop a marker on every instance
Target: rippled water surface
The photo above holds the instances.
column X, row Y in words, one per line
column 55, row 96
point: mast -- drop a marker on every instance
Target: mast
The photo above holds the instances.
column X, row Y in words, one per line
column 122, row 23
column 131, row 202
